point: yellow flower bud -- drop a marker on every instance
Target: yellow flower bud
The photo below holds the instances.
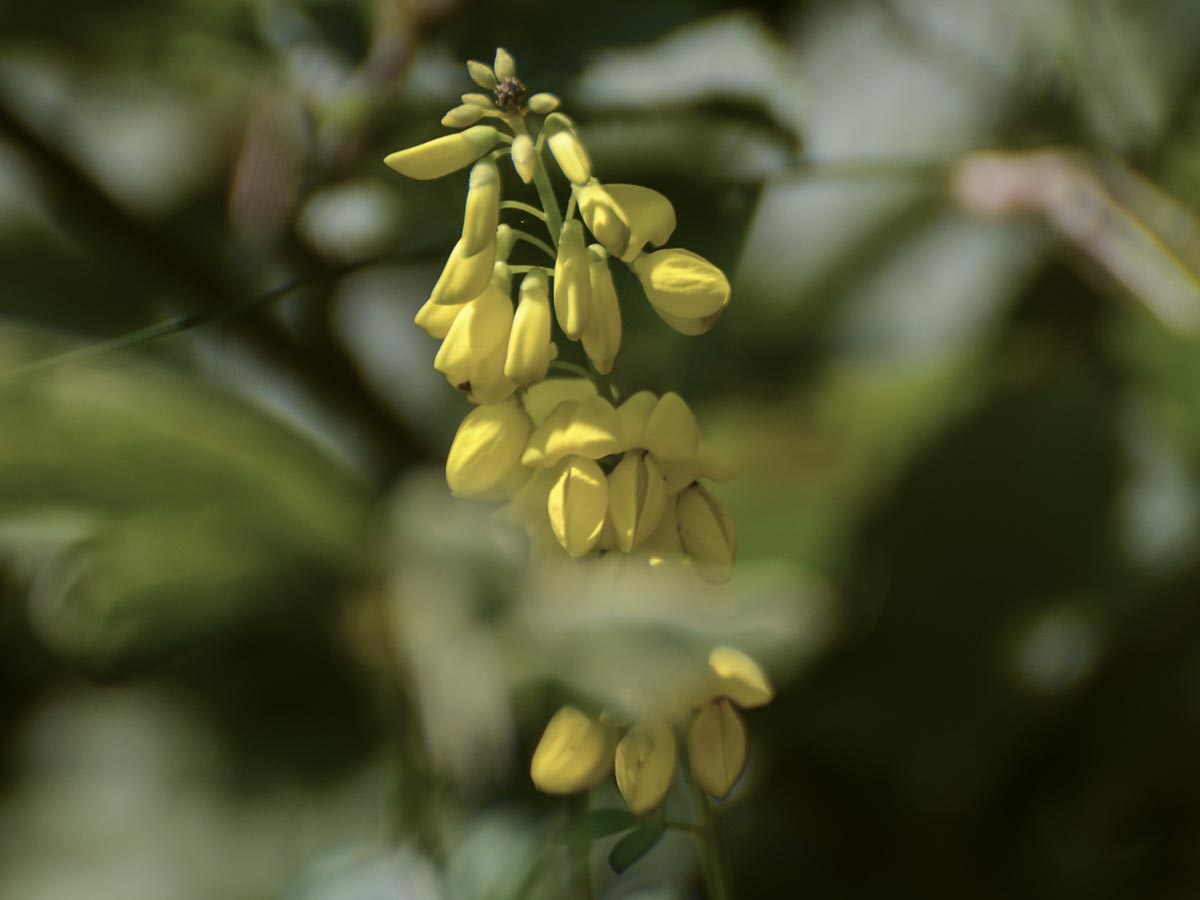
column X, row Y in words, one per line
column 650, row 215
column 487, row 381
column 482, row 215
column 577, row 505
column 682, row 284
column 741, row 679
column 603, row 217
column 707, row 533
column 524, row 157
column 506, row 239
column 483, row 324
column 690, row 327
column 435, row 319
column 671, row 431
column 505, row 66
column 716, row 746
column 645, row 766
column 574, row 754
column 542, row 398
column 572, row 281
column 633, row 414
column 637, row 497
column 663, row 542
column 587, row 428
column 482, row 100
column 444, row 155
column 465, row 274
column 529, row 343
column 569, row 152
column 462, row 116
column 602, row 336
column 543, row 104
column 482, row 74
column 486, row 448
column 707, row 463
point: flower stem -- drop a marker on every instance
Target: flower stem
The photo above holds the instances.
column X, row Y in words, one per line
column 540, row 244
column 580, row 857
column 541, row 181
column 524, row 207
column 717, row 881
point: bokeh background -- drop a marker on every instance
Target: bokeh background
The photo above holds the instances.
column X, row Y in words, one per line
column 250, row 648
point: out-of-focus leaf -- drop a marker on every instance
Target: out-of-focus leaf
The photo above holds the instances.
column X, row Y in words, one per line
column 635, row 845
column 195, row 508
column 595, row 824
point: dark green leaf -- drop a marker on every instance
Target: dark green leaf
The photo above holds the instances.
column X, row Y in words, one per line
column 635, row 845
column 596, row 824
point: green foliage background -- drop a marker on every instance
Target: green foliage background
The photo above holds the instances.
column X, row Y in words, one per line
column 231, row 584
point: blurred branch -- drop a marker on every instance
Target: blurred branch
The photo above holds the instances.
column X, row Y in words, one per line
column 326, row 373
column 184, row 323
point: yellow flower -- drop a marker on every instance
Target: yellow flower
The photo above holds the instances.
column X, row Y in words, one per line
column 543, row 104
column 444, row 155
column 505, row 66
column 603, row 217
column 486, row 448
column 572, row 281
column 569, row 152
column 740, row 678
column 574, row 754
column 577, row 505
column 636, row 499
column 602, row 336
column 705, row 463
column 524, row 157
column 587, row 428
column 528, row 357
column 482, row 215
column 435, row 319
column 463, row 115
column 645, row 766
column 650, row 215
column 466, row 274
column 482, row 74
column 685, row 289
column 481, row 327
column 542, row 398
column 716, row 746
column 707, row 533
column 671, row 431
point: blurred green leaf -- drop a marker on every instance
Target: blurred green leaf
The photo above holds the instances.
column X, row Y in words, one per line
column 596, row 824
column 635, row 845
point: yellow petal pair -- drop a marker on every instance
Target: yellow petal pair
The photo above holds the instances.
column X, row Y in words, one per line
column 716, row 746
column 603, row 217
column 636, row 499
column 587, row 428
column 577, row 505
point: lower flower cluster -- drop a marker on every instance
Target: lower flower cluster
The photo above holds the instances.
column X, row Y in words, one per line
column 578, row 751
column 584, row 476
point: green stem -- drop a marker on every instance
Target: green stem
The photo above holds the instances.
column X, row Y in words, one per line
column 536, row 242
column 523, row 207
column 581, row 862
column 717, row 881
column 541, row 181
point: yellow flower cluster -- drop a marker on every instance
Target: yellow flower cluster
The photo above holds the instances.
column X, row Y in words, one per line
column 579, row 471
column 583, row 473
column 578, row 751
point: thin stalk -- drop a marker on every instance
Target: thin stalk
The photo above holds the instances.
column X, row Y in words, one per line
column 580, row 857
column 717, row 881
column 523, row 207
column 541, row 181
column 516, row 270
column 536, row 242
